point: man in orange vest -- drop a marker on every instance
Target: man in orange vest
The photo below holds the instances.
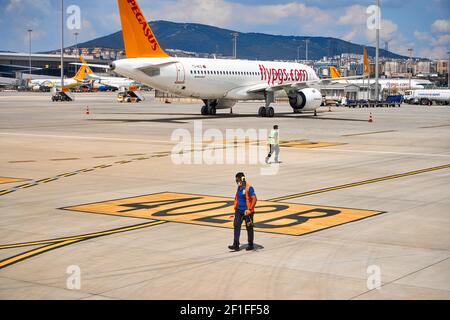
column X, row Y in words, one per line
column 244, row 209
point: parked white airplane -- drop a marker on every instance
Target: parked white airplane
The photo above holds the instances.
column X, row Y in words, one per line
column 75, row 81
column 105, row 83
column 397, row 84
column 220, row 83
column 386, row 84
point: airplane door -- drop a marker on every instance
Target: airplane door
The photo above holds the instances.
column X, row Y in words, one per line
column 180, row 73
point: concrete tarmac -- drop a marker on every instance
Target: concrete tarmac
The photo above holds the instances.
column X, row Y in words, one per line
column 356, row 210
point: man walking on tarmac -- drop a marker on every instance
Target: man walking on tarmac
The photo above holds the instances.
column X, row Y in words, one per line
column 274, row 144
column 244, row 209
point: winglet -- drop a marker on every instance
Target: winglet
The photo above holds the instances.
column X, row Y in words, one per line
column 334, row 73
column 366, row 62
column 138, row 37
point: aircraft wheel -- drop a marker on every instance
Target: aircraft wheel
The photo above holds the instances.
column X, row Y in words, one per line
column 262, row 112
column 204, row 110
column 211, row 110
column 270, row 112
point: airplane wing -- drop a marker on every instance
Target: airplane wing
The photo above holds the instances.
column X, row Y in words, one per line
column 19, row 67
column 104, row 66
column 297, row 85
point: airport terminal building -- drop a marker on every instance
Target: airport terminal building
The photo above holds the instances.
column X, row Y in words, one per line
column 16, row 65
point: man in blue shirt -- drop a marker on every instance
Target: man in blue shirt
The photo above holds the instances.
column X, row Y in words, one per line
column 244, row 209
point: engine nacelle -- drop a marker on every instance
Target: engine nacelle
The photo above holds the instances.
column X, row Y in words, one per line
column 308, row 99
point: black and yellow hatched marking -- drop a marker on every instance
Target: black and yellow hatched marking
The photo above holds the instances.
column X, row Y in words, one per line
column 283, row 218
column 4, row 180
column 52, row 244
column 306, row 144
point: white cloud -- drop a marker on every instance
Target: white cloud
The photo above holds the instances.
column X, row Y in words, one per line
column 441, row 26
column 434, row 53
column 229, row 14
column 422, row 36
column 356, row 18
column 441, row 40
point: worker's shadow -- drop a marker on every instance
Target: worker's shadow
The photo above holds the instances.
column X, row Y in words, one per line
column 244, row 246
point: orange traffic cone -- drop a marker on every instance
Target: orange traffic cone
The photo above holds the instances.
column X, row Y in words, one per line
column 87, row 111
column 370, row 117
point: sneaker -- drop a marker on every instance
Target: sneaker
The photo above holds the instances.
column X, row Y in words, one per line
column 250, row 248
column 233, row 247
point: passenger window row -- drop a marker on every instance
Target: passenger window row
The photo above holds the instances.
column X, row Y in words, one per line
column 237, row 73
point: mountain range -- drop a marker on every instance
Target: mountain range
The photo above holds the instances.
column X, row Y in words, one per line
column 202, row 38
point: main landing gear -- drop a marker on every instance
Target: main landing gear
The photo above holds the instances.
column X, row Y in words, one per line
column 267, row 110
column 209, row 109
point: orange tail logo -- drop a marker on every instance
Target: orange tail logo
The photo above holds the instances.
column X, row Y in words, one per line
column 334, row 73
column 366, row 62
column 138, row 37
column 88, row 69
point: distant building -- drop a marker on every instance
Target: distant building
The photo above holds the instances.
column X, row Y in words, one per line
column 49, row 64
column 442, row 67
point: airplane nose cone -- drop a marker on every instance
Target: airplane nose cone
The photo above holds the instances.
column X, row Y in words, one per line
column 112, row 65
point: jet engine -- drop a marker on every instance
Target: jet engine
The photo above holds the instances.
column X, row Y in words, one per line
column 308, row 99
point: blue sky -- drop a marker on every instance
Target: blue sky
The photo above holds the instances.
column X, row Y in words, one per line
column 421, row 24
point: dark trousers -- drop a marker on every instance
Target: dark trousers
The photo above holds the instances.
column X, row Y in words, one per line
column 239, row 216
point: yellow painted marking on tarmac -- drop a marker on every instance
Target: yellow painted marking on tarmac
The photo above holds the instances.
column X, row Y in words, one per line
column 3, row 192
column 82, row 237
column 65, row 159
column 143, row 158
column 226, row 142
column 439, row 126
column 124, row 161
column 25, row 186
column 22, row 161
column 103, row 157
column 6, row 262
column 272, row 217
column 61, row 242
column 4, row 180
column 360, row 183
column 367, row 133
column 305, row 144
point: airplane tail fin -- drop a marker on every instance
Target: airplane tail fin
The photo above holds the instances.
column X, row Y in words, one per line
column 80, row 74
column 88, row 69
column 334, row 73
column 366, row 62
column 138, row 37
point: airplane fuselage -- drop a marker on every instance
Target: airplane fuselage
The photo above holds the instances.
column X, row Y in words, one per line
column 212, row 78
column 393, row 84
